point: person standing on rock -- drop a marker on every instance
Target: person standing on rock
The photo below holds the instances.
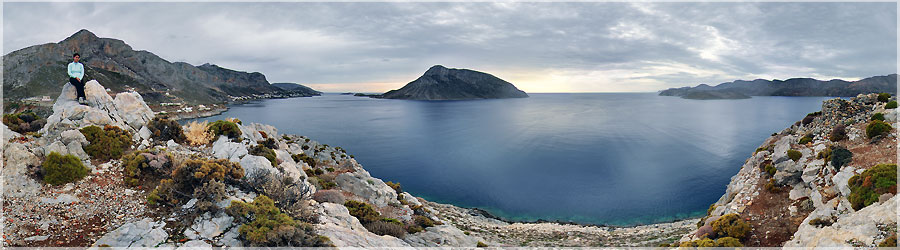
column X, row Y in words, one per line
column 76, row 74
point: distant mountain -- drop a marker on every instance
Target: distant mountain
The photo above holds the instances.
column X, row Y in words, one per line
column 440, row 83
column 297, row 88
column 41, row 70
column 790, row 87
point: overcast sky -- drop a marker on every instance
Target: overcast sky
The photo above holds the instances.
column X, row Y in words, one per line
column 539, row 47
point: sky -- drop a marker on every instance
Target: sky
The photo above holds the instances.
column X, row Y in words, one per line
column 539, row 47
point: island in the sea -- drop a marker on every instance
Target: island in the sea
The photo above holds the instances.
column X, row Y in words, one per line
column 741, row 89
column 441, row 83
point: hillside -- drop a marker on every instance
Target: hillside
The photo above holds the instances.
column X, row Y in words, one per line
column 791, row 87
column 297, row 88
column 441, row 83
column 40, row 71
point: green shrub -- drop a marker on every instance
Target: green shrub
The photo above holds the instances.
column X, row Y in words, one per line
column 891, row 105
column 24, row 122
column 877, row 128
column 227, row 128
column 771, row 187
column 728, row 242
column 806, row 139
column 770, row 169
column 731, row 225
column 263, row 151
column 824, row 154
column 264, row 225
column 688, row 244
column 414, row 229
column 395, row 186
column 386, row 228
column 706, row 242
column 884, row 97
column 304, row 158
column 839, row 157
column 794, row 154
column 423, row 221
column 269, row 143
column 137, row 162
column 818, row 222
column 107, row 143
column 877, row 117
column 164, row 129
column 889, row 241
column 838, row 133
column 362, row 211
column 481, row 244
column 865, row 188
column 330, row 169
column 198, row 178
column 61, row 169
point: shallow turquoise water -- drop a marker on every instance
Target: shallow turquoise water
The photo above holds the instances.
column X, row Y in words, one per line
column 600, row 158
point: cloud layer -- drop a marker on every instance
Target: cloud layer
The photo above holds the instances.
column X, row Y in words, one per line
column 540, row 47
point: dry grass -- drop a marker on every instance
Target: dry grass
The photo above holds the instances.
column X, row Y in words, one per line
column 234, row 120
column 197, row 133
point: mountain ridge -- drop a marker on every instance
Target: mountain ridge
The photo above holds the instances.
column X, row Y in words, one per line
column 789, row 87
column 441, row 83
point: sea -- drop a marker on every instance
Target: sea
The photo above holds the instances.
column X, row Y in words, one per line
column 616, row 159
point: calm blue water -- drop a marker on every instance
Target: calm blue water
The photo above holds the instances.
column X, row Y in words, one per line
column 610, row 158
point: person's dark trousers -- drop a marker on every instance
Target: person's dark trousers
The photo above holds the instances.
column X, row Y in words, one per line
column 79, row 86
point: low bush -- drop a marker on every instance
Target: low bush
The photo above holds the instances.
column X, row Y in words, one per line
column 771, row 187
column 731, row 225
column 263, row 134
column 61, row 169
column 877, row 117
column 808, row 119
column 304, row 158
column 891, row 105
column 839, row 157
column 884, row 97
column 480, row 244
column 137, row 163
column 263, row 151
column 284, row 190
column 825, row 154
column 197, row 178
column 838, row 133
column 264, row 225
column 164, row 129
column 877, row 128
column 889, row 241
column 234, row 120
column 819, row 222
column 24, row 122
column 107, row 143
column 197, row 133
column 269, row 143
column 770, row 169
column 227, row 128
column 728, row 242
column 794, row 154
column 866, row 187
column 423, row 221
column 806, row 139
column 395, row 186
column 386, row 228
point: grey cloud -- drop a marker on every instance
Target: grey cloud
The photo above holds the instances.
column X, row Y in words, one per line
column 395, row 42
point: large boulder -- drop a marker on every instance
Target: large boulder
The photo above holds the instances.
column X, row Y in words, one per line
column 132, row 108
column 143, row 233
column 16, row 161
column 225, row 149
column 363, row 185
column 344, row 230
column 441, row 236
column 781, row 148
column 866, row 227
column 255, row 165
column 207, row 227
column 128, row 111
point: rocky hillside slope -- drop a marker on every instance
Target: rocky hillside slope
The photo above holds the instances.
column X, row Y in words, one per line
column 40, row 70
column 441, row 83
column 741, row 89
column 249, row 186
column 797, row 189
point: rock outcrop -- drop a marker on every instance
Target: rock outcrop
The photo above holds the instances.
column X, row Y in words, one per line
column 440, row 83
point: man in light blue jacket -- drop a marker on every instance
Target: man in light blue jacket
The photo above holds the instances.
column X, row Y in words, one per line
column 76, row 74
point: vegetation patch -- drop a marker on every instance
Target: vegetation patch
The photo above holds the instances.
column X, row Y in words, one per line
column 396, row 186
column 865, row 188
column 373, row 221
column 840, row 157
column 198, row 134
column 770, row 169
column 884, row 97
column 107, row 143
column 731, row 225
column 806, row 139
column 891, row 105
column 794, row 154
column 304, row 158
column 164, row 129
column 877, row 117
column 268, row 153
column 61, row 169
column 877, row 128
column 24, row 122
column 810, row 117
column 838, row 133
column 138, row 164
column 226, row 128
column 264, row 225
column 202, row 179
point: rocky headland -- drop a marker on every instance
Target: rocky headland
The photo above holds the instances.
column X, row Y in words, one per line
column 149, row 182
column 742, row 89
column 441, row 83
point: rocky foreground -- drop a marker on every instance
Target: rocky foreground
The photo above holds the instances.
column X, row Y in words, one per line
column 315, row 185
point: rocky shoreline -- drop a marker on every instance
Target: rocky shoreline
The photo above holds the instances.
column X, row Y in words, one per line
column 313, row 183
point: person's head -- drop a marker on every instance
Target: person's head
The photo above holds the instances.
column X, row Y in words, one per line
column 76, row 57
